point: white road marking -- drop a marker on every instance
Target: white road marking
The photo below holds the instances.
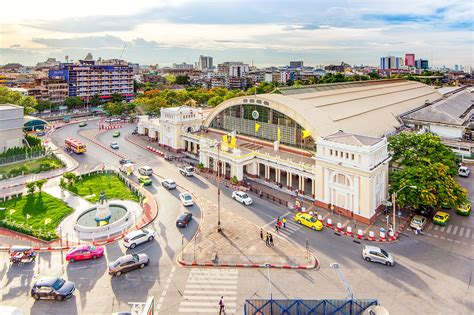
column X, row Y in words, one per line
column 461, row 231
column 455, row 230
column 448, row 230
column 165, row 290
column 436, row 227
column 468, row 233
column 443, row 228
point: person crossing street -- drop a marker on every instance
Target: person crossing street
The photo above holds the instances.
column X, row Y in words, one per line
column 221, row 306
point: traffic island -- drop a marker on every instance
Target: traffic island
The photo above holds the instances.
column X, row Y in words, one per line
column 238, row 244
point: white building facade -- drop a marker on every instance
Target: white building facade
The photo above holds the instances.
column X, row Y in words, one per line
column 11, row 126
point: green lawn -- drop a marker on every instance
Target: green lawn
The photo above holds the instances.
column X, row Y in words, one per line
column 39, row 207
column 31, row 166
column 91, row 186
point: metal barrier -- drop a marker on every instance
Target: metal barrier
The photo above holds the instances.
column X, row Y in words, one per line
column 268, row 196
column 313, row 307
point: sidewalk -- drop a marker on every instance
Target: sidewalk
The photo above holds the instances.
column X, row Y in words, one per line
column 239, row 245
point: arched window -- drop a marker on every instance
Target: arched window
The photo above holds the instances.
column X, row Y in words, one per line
column 342, row 179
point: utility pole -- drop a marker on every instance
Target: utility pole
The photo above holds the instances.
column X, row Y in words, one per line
column 335, row 266
column 219, row 229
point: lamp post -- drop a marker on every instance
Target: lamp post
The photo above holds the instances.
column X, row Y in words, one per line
column 394, row 197
column 218, row 147
column 269, row 280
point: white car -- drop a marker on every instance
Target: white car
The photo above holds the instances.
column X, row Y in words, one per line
column 169, row 184
column 145, row 171
column 186, row 199
column 464, row 171
column 376, row 254
column 138, row 237
column 242, row 197
column 114, row 145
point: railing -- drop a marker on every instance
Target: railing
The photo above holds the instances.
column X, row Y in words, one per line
column 22, row 157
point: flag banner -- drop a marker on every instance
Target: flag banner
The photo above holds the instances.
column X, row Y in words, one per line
column 224, row 139
column 306, row 134
column 257, row 127
column 279, row 134
column 233, row 142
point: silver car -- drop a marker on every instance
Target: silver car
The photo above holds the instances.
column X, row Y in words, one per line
column 169, row 184
column 376, row 254
column 138, row 237
column 127, row 263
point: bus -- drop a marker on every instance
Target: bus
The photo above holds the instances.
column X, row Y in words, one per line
column 75, row 145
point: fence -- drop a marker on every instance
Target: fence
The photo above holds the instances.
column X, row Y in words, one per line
column 22, row 157
column 268, row 196
column 313, row 307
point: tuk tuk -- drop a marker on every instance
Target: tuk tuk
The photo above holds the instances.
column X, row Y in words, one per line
column 21, row 254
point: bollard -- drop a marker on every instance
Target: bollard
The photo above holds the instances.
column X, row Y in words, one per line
column 392, row 235
column 320, row 217
column 382, row 236
column 360, row 234
column 371, row 235
column 329, row 223
column 349, row 231
column 339, row 226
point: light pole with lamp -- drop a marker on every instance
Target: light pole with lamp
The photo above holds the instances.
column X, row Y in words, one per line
column 394, row 197
column 269, row 280
column 218, row 147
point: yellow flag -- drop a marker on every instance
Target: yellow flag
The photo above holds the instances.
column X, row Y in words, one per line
column 257, row 127
column 224, row 139
column 233, row 142
column 306, row 134
column 279, row 134
column 47, row 221
column 12, row 211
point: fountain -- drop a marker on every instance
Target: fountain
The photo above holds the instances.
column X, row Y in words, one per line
column 103, row 214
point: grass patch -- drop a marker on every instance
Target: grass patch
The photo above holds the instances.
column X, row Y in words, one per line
column 91, row 186
column 39, row 207
column 31, row 166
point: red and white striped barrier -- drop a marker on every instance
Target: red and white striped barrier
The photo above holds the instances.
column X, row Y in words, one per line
column 329, row 223
column 211, row 264
column 360, row 234
column 371, row 236
column 102, row 127
column 348, row 231
column 339, row 226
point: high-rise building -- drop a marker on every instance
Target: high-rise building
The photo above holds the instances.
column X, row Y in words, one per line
column 183, row 66
column 421, row 64
column 391, row 62
column 205, row 63
column 296, row 64
column 88, row 77
column 410, row 60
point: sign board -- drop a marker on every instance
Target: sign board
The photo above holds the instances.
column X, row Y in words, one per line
column 276, row 145
column 255, row 115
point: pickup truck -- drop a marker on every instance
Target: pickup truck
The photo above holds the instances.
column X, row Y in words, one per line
column 187, row 170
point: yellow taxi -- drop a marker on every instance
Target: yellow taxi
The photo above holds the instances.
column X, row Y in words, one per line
column 309, row 221
column 464, row 209
column 441, row 218
column 145, row 180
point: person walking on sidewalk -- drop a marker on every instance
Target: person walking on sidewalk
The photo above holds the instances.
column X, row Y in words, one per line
column 277, row 227
column 261, row 233
column 221, row 306
column 271, row 239
column 284, row 223
column 267, row 239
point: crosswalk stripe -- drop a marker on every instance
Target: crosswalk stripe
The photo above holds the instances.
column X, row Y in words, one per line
column 436, row 227
column 443, row 228
column 455, row 230
column 216, row 281
column 448, row 230
column 211, row 277
column 468, row 233
column 208, row 303
column 204, row 310
column 461, row 231
column 212, row 286
column 209, row 297
column 214, row 271
column 429, row 227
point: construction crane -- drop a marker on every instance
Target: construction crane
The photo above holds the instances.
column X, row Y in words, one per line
column 335, row 266
column 124, row 46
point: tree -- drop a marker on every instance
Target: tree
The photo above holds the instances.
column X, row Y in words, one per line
column 70, row 178
column 170, row 79
column 435, row 186
column 31, row 187
column 73, row 102
column 40, row 183
column 183, row 79
column 117, row 98
column 95, row 100
column 114, row 109
column 411, row 149
column 214, row 101
column 43, row 105
column 12, row 97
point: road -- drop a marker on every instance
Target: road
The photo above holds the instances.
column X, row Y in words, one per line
column 430, row 275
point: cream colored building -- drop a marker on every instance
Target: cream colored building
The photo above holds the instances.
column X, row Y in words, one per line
column 326, row 141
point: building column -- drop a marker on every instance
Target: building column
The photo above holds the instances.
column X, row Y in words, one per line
column 239, row 172
column 267, row 173
column 313, row 188
column 289, row 180
column 189, row 146
column 277, row 175
column 258, row 169
column 196, row 148
column 302, row 184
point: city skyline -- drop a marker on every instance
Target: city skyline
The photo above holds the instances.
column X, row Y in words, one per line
column 157, row 32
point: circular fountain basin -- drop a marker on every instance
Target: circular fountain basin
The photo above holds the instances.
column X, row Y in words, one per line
column 87, row 218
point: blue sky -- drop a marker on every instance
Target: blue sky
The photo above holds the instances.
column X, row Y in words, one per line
column 260, row 31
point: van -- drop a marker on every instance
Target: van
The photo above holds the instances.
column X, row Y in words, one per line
column 463, row 171
column 145, row 170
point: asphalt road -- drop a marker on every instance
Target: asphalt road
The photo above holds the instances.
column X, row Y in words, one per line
column 430, row 275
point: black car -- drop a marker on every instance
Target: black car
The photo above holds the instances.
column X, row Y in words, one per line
column 184, row 219
column 125, row 161
column 52, row 288
column 425, row 211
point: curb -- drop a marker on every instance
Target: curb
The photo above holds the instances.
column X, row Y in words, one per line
column 94, row 140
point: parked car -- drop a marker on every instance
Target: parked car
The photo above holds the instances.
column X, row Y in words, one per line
column 116, row 134
column 184, row 219
column 125, row 161
column 308, row 220
column 52, row 288
column 114, row 145
column 82, row 124
column 464, row 209
column 376, row 254
column 145, row 180
column 186, row 171
column 169, row 184
column 83, row 252
column 138, row 237
column 425, row 211
column 186, row 199
column 145, row 170
column 127, row 263
column 418, row 221
column 40, row 133
column 242, row 197
column 441, row 218
column 463, row 171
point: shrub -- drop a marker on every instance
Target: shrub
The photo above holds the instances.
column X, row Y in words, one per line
column 234, row 180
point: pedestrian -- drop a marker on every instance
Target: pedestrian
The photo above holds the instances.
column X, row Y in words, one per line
column 271, row 239
column 418, row 230
column 221, row 306
column 276, row 227
column 267, row 239
column 261, row 233
column 261, row 193
column 280, row 224
column 284, row 223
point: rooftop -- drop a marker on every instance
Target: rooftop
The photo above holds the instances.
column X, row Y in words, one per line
column 9, row 106
column 353, row 140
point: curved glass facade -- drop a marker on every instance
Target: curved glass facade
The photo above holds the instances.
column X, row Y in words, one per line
column 239, row 118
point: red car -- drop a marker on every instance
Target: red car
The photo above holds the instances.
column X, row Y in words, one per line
column 84, row 252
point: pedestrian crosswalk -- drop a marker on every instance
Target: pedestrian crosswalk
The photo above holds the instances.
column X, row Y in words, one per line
column 453, row 230
column 291, row 227
column 205, row 287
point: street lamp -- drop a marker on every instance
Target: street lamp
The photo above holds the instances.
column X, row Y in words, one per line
column 269, row 280
column 336, row 268
column 394, row 197
column 218, row 145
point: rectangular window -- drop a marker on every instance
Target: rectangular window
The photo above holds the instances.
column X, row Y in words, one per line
column 330, row 152
column 347, row 155
column 352, row 156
